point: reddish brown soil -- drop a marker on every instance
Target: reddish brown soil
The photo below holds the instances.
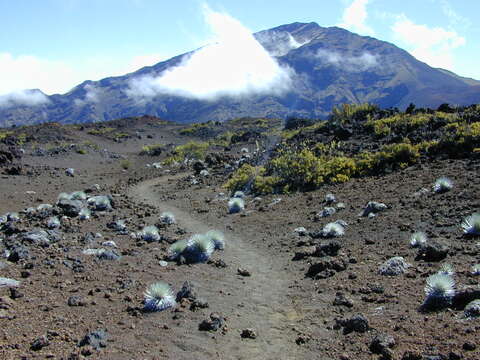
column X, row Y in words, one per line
column 294, row 316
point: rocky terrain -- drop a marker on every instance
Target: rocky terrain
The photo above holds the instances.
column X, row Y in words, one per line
column 286, row 285
column 327, row 66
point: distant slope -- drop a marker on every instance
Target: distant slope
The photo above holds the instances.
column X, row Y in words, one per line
column 331, row 65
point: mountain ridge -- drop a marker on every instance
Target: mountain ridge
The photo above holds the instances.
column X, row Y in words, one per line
column 331, row 65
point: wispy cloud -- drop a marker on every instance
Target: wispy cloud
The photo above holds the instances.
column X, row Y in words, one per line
column 433, row 45
column 278, row 43
column 92, row 95
column 23, row 97
column 352, row 63
column 354, row 18
column 234, row 64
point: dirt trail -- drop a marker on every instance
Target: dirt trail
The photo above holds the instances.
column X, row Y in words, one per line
column 259, row 302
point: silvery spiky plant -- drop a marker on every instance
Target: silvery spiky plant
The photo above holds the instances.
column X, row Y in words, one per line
column 100, row 202
column 439, row 290
column 3, row 219
column 239, row 194
column 330, row 198
column 472, row 310
column 167, row 218
column 13, row 216
column 442, row 185
column 333, row 229
column 84, row 214
column 235, row 205
column 446, row 269
column 70, row 171
column 177, row 249
column 159, row 296
column 53, row 222
column 218, row 239
column 476, row 269
column 418, row 239
column 199, row 249
column 471, row 225
column 78, row 195
column 150, row 233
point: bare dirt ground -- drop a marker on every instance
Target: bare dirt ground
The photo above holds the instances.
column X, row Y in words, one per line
column 294, row 316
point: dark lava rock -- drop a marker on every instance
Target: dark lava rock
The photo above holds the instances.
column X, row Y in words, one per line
column 88, row 238
column 76, row 300
column 464, row 297
column 96, row 339
column 187, row 292
column 15, row 294
column 341, row 300
column 248, row 334
column 18, row 252
column 199, row 304
column 432, row 251
column 39, row 343
column 41, row 237
column 410, row 355
column 198, row 166
column 109, row 255
column 469, row 346
column 381, row 343
column 243, row 272
column 70, row 207
column 330, row 248
column 213, row 324
column 326, row 268
column 357, row 323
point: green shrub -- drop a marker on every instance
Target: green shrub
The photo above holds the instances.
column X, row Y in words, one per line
column 125, row 164
column 152, row 150
column 347, row 113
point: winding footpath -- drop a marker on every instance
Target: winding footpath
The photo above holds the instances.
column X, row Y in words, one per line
column 259, row 302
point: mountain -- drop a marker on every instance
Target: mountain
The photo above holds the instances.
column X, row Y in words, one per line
column 330, row 66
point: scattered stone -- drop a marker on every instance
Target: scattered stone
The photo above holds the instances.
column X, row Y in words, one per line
column 96, row 339
column 70, row 208
column 214, row 323
column 6, row 282
column 373, row 208
column 243, row 272
column 357, row 323
column 472, row 310
column 18, row 252
column 199, row 304
column 410, row 355
column 187, row 292
column 433, row 251
column 15, row 294
column 469, row 346
column 70, row 172
column 108, row 255
column 382, row 343
column 393, row 266
column 248, row 334
column 326, row 212
column 327, row 267
column 39, row 343
column 342, row 300
column 76, row 300
column 300, row 231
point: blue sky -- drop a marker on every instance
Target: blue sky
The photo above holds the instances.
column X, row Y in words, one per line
column 56, row 44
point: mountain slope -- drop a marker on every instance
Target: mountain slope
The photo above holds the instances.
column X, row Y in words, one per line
column 330, row 66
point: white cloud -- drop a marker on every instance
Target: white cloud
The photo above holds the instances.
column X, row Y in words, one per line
column 23, row 97
column 31, row 72
column 362, row 62
column 433, row 45
column 234, row 64
column 354, row 18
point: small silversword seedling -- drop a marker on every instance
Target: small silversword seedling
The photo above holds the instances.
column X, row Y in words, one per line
column 150, row 233
column 476, row 269
column 442, row 185
column 471, row 225
column 176, row 249
column 439, row 290
column 218, row 239
column 418, row 239
column 446, row 269
column 199, row 249
column 333, row 229
column 235, row 205
column 167, row 218
column 159, row 296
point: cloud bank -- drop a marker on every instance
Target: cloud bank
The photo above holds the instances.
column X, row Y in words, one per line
column 235, row 64
column 23, row 97
column 354, row 18
column 433, row 45
column 363, row 62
